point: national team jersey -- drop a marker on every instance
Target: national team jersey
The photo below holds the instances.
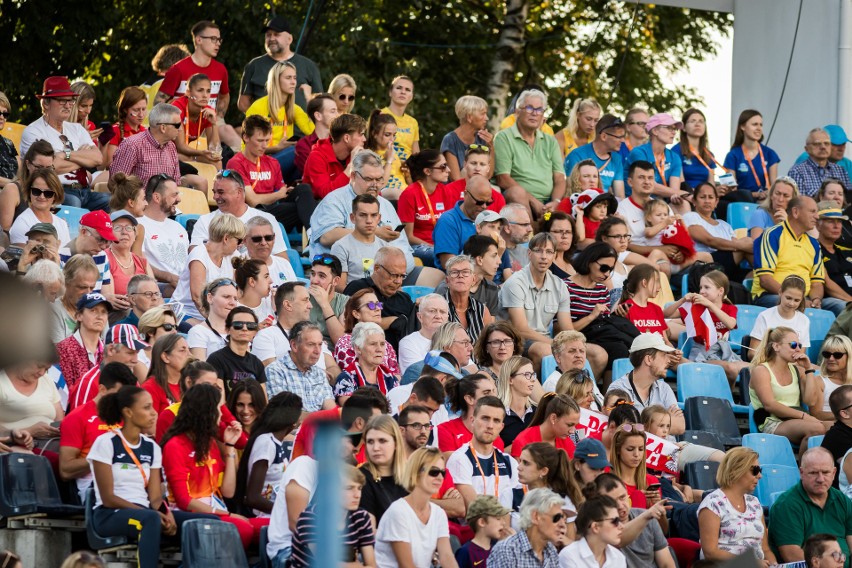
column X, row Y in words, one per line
column 268, row 447
column 495, row 474
column 532, row 435
column 177, row 77
column 648, row 319
column 193, row 129
column 453, row 434
column 262, row 177
column 80, row 428
column 414, row 207
column 129, row 479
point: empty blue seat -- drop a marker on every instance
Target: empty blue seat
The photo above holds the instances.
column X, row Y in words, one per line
column 548, row 365
column 701, row 438
column 185, row 218
column 28, row 487
column 713, row 415
column 747, row 316
column 72, row 216
column 415, row 292
column 739, row 214
column 293, row 255
column 772, row 449
column 704, row 379
column 265, row 562
column 621, row 367
column 815, row 441
column 211, row 543
column 701, row 475
column 821, row 321
column 775, row 480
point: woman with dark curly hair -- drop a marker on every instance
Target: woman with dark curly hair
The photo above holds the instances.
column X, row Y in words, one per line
column 201, row 475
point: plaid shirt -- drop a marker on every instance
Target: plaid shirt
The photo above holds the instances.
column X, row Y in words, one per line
column 810, row 176
column 312, row 386
column 516, row 552
column 144, row 157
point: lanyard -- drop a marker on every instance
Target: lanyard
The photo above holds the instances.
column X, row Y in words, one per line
column 207, row 321
column 636, row 391
column 482, row 472
column 751, row 165
column 132, row 455
column 661, row 166
column 700, row 159
column 286, row 335
column 608, row 160
column 186, row 131
column 428, row 202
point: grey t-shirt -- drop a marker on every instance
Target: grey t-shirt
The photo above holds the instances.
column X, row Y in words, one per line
column 640, row 552
column 453, row 144
column 357, row 257
column 253, row 82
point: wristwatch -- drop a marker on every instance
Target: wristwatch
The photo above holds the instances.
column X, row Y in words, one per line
column 67, row 154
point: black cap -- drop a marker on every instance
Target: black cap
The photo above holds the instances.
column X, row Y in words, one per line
column 607, row 122
column 277, row 24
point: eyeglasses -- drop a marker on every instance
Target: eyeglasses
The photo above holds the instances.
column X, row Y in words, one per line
column 837, row 556
column 372, row 306
column 261, row 238
column 418, row 426
column 5, row 113
column 495, row 343
column 529, row 109
column 348, row 98
column 150, row 295
column 620, row 237
column 543, row 252
column 215, row 39
column 459, row 273
column 616, row 521
column 391, row 274
column 669, row 127
column 479, row 202
column 371, row 181
column 642, row 124
column 482, row 147
column 65, row 102
column 123, row 228
column 436, row 471
column 628, row 427
column 833, row 355
column 529, row 375
column 605, row 268
column 101, row 241
column 445, row 167
column 240, row 325
column 756, row 470
column 46, row 193
column 167, row 326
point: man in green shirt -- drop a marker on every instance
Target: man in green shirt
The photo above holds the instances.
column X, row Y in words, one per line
column 326, row 304
column 810, row 507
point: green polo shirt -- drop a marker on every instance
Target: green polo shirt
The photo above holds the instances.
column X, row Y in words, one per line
column 794, row 517
column 532, row 167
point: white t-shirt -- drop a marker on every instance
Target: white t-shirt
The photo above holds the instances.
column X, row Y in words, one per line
column 721, row 230
column 127, row 480
column 166, row 244
column 401, row 524
column 302, row 470
column 579, row 555
column 262, row 310
column 183, row 294
column 40, row 130
column 25, row 222
column 412, row 348
column 267, row 447
column 770, row 318
column 21, row 411
column 635, row 217
column 465, row 469
column 202, row 337
column 270, row 343
column 201, row 230
column 398, row 396
column 280, row 271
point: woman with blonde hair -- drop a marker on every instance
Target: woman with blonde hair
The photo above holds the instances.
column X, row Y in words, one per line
column 773, row 209
column 154, row 324
column 472, row 113
column 343, row 89
column 384, row 467
column 514, row 388
column 580, row 130
column 579, row 386
column 407, row 140
column 80, row 559
column 835, row 371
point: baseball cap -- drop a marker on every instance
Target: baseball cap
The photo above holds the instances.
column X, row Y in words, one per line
column 434, row 360
column 485, row 506
column 88, row 301
column 488, row 216
column 100, row 222
column 277, row 24
column 607, row 122
column 592, row 452
column 650, row 340
column 45, row 228
column 123, row 214
column 830, row 210
column 662, row 119
column 837, row 134
column 126, row 334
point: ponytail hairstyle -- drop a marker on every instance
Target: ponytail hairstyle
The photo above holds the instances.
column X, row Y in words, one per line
column 560, row 472
column 604, row 483
column 719, row 278
column 111, row 407
column 458, row 389
column 192, row 371
column 552, row 403
column 624, row 413
column 765, row 353
column 593, row 510
column 197, row 418
column 618, row 441
column 158, row 371
column 635, row 278
column 245, row 268
column 420, row 161
column 124, row 188
column 375, row 125
column 579, row 107
column 795, row 282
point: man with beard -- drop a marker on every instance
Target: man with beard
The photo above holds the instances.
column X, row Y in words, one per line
column 166, row 241
column 278, row 42
column 516, row 231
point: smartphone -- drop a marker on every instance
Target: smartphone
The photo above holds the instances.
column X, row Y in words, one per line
column 654, row 487
column 399, row 228
column 104, row 124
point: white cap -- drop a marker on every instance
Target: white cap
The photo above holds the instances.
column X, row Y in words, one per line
column 650, row 340
column 488, row 216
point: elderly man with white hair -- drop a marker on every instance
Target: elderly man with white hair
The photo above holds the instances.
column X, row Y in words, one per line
column 367, row 370
column 433, row 312
column 542, row 523
column 528, row 163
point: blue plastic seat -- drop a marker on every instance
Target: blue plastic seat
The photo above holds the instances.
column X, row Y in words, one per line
column 415, row 292
column 704, row 379
column 747, row 283
column 775, row 480
column 621, row 367
column 293, row 255
column 713, row 415
column 96, row 540
column 747, row 316
column 211, row 543
column 815, row 441
column 72, row 216
column 548, row 365
column 265, row 562
column 739, row 214
column 772, row 449
column 185, row 218
column 821, row 321
column 701, row 475
column 28, row 487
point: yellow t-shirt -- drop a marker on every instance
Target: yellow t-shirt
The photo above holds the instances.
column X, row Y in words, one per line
column 569, row 142
column 280, row 128
column 510, row 120
column 407, row 133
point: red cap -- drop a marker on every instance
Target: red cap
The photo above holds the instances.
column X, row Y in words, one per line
column 99, row 221
column 56, row 87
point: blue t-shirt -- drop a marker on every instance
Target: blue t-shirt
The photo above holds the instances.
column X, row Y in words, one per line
column 694, row 171
column 610, row 168
column 673, row 166
column 452, row 231
column 735, row 162
column 761, row 218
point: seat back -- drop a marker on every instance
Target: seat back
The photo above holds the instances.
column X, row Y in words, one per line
column 96, row 540
column 621, row 367
column 264, row 540
column 14, row 132
column 72, row 216
column 713, row 415
column 747, row 316
column 702, row 379
column 207, row 171
column 293, row 255
column 815, row 441
column 415, row 292
column 665, row 294
column 772, row 449
column 548, row 365
column 211, row 543
column 701, row 475
column 187, row 221
column 193, row 201
column 701, row 438
column 775, row 480
column 739, row 214
column 821, row 321
column 26, row 484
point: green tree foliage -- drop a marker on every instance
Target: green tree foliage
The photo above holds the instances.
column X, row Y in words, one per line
column 574, row 48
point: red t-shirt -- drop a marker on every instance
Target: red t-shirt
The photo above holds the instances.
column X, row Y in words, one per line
column 128, row 132
column 323, row 171
column 721, row 329
column 532, row 435
column 81, row 427
column 648, row 319
column 192, row 129
column 174, row 83
column 459, row 185
column 167, row 417
column 637, row 497
column 263, row 177
column 86, row 388
column 188, row 479
column 591, row 227
column 413, row 207
column 453, row 434
column 304, row 443
column 161, row 401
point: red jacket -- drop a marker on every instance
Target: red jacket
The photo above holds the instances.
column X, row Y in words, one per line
column 168, row 415
column 323, row 171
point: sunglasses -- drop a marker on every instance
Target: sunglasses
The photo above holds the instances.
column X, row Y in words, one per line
column 833, row 355
column 605, row 268
column 348, row 98
column 220, row 283
column 47, row 193
column 795, row 345
column 582, row 376
column 445, row 167
column 558, row 517
column 436, row 471
column 479, row 202
column 756, row 470
column 168, row 326
column 5, row 113
column 628, row 427
column 482, row 147
column 324, row 258
column 616, row 521
column 175, row 124
column 373, row 306
column 261, row 238
column 240, row 325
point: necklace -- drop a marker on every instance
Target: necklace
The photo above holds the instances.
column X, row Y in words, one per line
column 129, row 265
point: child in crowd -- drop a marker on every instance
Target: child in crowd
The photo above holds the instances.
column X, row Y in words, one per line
column 590, row 208
column 658, row 217
column 642, row 284
column 788, row 313
column 486, row 517
column 712, row 298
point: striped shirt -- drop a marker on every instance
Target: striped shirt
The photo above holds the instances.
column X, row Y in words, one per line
column 357, row 533
column 101, row 261
column 584, row 300
column 86, row 388
column 474, row 314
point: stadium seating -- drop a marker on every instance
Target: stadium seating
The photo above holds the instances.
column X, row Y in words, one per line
column 28, row 488
column 739, row 214
column 701, row 438
column 713, row 415
column 704, row 379
column 415, row 292
column 776, row 479
column 701, row 475
column 210, row 543
column 72, row 216
column 771, row 449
